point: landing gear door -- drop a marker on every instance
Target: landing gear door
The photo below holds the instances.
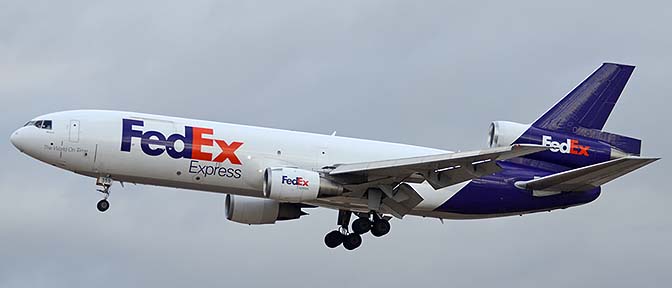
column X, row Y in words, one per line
column 74, row 131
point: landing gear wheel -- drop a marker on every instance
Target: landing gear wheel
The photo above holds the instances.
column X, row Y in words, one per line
column 352, row 241
column 103, row 205
column 361, row 225
column 105, row 182
column 380, row 227
column 333, row 239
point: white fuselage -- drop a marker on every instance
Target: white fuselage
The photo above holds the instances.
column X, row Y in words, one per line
column 89, row 142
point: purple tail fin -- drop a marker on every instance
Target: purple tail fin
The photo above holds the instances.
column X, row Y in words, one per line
column 585, row 110
column 590, row 103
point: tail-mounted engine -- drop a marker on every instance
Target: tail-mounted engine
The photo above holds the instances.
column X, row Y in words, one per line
column 297, row 185
column 505, row 133
column 580, row 148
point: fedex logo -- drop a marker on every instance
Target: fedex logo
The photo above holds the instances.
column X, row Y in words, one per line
column 298, row 181
column 193, row 141
column 570, row 147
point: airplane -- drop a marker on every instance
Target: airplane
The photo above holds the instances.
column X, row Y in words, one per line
column 270, row 175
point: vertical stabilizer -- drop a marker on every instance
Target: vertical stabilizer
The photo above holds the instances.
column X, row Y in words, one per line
column 585, row 110
column 588, row 106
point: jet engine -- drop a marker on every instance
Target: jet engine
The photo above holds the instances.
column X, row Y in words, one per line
column 297, row 185
column 504, row 133
column 249, row 210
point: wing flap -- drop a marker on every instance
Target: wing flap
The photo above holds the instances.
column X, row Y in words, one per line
column 586, row 178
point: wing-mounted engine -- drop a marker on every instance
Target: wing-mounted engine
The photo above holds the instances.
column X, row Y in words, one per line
column 297, row 185
column 505, row 133
column 249, row 210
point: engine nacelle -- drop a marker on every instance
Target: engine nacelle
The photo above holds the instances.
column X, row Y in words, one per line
column 504, row 133
column 249, row 210
column 297, row 185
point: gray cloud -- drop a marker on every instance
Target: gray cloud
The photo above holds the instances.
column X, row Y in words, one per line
column 430, row 73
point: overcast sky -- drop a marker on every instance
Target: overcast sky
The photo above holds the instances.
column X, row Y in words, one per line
column 429, row 73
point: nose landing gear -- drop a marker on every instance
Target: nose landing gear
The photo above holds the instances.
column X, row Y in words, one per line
column 103, row 205
column 105, row 183
column 379, row 226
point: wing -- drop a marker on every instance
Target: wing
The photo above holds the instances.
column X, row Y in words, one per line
column 586, row 178
column 439, row 170
column 389, row 177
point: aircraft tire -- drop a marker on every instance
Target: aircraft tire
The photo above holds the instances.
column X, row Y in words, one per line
column 361, row 225
column 103, row 205
column 352, row 241
column 333, row 239
column 380, row 227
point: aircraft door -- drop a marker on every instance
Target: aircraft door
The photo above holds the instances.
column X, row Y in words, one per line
column 78, row 152
column 74, row 131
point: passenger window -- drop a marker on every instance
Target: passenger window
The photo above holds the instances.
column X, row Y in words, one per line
column 46, row 124
column 38, row 124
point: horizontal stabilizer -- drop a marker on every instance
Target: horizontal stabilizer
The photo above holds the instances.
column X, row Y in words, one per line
column 586, row 178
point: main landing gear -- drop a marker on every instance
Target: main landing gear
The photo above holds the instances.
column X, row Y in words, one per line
column 105, row 183
column 352, row 240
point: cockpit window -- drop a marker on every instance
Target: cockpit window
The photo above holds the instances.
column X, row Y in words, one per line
column 42, row 124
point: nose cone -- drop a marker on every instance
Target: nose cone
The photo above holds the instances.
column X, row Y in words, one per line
column 17, row 139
